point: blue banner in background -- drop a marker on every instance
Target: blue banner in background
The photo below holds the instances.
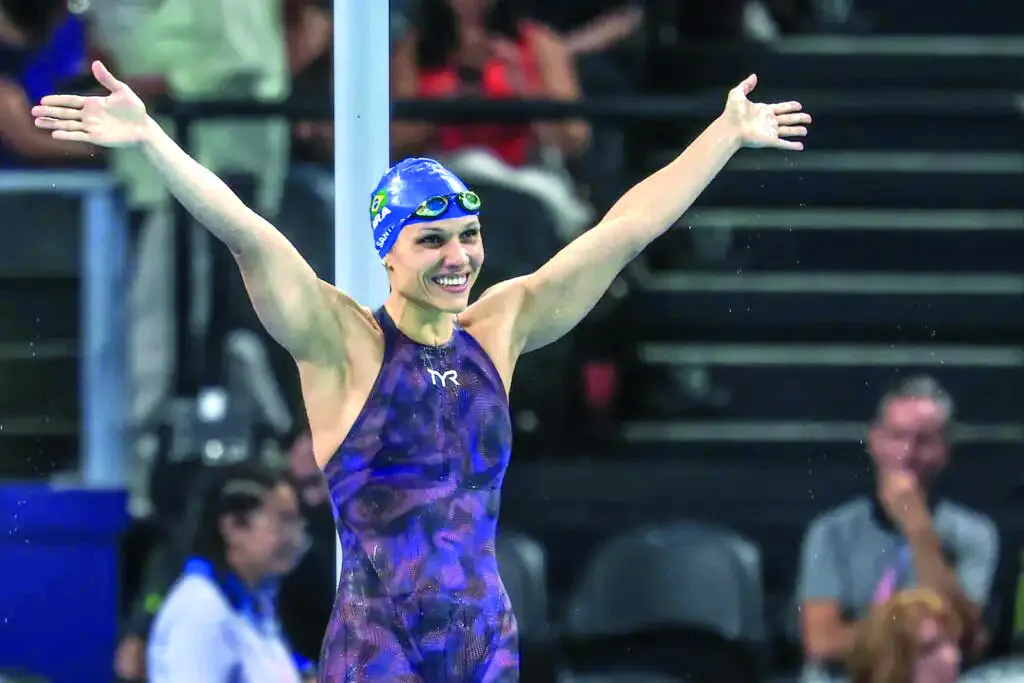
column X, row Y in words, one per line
column 59, row 593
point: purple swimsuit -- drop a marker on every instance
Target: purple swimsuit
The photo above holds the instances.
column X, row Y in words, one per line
column 416, row 489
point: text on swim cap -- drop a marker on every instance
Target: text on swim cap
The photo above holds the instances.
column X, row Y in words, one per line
column 384, row 213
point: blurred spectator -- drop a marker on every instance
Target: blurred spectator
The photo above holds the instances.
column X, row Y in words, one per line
column 595, row 34
column 193, row 50
column 307, row 594
column 481, row 49
column 590, row 32
column 39, row 46
column 863, row 552
column 232, row 49
column 218, row 623
column 594, row 29
column 61, row 62
column 309, row 36
column 911, row 638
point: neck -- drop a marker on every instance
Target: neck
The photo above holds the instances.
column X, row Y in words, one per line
column 423, row 324
column 244, row 571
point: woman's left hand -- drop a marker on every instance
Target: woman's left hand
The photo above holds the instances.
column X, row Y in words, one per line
column 765, row 125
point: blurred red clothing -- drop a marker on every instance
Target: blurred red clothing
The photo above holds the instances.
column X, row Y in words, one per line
column 514, row 74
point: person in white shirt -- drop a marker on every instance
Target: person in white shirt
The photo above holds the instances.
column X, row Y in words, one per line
column 218, row 624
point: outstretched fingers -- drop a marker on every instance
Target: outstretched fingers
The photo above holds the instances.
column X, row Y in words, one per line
column 71, row 136
column 47, row 123
column 781, row 144
column 786, row 107
column 793, row 119
column 65, row 101
column 791, row 124
column 52, row 112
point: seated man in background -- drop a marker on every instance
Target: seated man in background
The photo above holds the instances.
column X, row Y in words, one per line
column 861, row 553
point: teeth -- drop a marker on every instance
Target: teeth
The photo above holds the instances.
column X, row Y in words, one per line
column 451, row 281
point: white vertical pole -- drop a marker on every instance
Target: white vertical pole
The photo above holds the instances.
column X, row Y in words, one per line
column 104, row 380
column 362, row 112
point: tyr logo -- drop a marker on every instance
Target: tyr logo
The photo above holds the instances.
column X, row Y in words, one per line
column 441, row 378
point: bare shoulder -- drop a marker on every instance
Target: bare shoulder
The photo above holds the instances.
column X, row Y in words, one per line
column 492, row 322
column 343, row 332
column 499, row 301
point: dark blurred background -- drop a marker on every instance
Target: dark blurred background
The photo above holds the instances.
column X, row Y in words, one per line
column 729, row 377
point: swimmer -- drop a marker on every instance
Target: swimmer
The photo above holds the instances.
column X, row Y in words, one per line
column 408, row 404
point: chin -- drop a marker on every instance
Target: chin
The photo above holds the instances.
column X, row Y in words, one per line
column 450, row 303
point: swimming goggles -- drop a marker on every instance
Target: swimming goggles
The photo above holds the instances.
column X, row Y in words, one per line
column 437, row 206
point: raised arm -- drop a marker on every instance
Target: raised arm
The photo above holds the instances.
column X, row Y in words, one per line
column 550, row 302
column 293, row 304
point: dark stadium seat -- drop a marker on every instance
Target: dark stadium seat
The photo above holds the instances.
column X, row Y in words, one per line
column 522, row 562
column 523, row 566
column 683, row 599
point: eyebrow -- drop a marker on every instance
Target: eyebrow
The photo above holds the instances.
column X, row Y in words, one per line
column 432, row 230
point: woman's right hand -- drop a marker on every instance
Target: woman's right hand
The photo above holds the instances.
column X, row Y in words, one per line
column 116, row 120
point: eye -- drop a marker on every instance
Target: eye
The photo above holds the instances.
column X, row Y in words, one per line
column 470, row 234
column 431, row 240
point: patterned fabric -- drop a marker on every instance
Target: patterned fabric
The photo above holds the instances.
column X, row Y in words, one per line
column 416, row 489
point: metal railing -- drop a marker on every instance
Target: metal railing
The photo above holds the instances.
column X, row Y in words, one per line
column 103, row 302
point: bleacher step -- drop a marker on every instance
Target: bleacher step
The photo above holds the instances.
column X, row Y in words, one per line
column 819, row 446
column 46, row 239
column 797, row 431
column 40, row 379
column 35, row 448
column 836, row 300
column 941, row 180
column 39, row 308
column 835, row 382
column 878, row 62
column 833, row 239
column 868, row 120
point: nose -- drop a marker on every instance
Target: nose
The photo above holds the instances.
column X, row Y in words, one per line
column 455, row 255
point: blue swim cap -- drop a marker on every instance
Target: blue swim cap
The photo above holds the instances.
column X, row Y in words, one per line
column 400, row 192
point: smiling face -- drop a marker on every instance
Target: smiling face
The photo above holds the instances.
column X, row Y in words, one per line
column 434, row 264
